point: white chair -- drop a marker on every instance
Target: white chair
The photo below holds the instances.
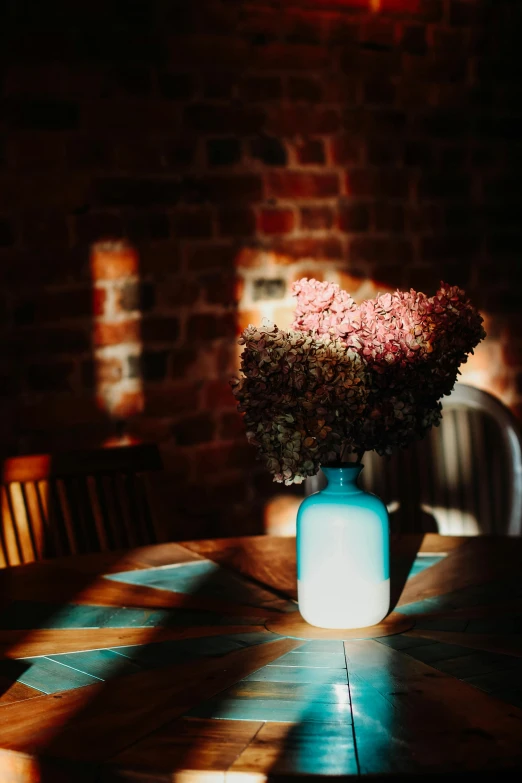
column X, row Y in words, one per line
column 464, row 478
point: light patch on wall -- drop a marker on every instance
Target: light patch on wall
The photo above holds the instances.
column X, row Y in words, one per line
column 117, row 345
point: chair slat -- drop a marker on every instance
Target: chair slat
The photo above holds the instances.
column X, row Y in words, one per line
column 122, row 492
column 36, row 518
column 97, row 513
column 69, row 524
column 8, row 529
column 113, row 520
column 54, row 505
column 19, row 514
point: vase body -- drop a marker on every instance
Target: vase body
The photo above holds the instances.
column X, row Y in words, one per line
column 343, row 578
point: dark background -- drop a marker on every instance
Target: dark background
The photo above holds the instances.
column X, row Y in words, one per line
column 237, row 146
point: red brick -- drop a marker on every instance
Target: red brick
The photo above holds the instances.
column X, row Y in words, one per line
column 231, row 426
column 293, row 184
column 261, row 88
column 400, row 6
column 276, row 221
column 236, row 222
column 246, row 188
column 172, row 400
column 218, row 394
column 192, row 223
column 162, row 329
column 160, row 260
column 381, row 250
column 354, row 217
column 311, row 152
column 100, row 371
column 110, row 261
column 311, row 272
column 56, row 306
column 211, row 256
column 305, row 89
column 50, row 377
column 117, row 332
column 99, row 300
column 389, row 217
column 225, row 290
column 380, row 91
column 208, row 118
column 369, row 182
column 129, row 403
column 296, row 120
column 176, row 292
column 346, row 149
column 27, row 342
column 48, row 229
column 316, row 218
column 229, row 456
column 289, row 250
column 195, row 429
column 207, row 326
column 38, row 151
column 281, row 57
column 512, row 354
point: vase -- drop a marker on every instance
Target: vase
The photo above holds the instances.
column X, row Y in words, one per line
column 343, row 574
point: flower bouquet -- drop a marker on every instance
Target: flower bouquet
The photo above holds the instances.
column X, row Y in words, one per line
column 343, row 380
column 348, row 379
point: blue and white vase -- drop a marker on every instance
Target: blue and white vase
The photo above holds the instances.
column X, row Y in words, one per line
column 343, row 572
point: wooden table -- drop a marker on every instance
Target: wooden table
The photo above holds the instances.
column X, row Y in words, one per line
column 142, row 664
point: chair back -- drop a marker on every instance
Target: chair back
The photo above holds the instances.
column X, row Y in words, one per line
column 77, row 502
column 464, row 478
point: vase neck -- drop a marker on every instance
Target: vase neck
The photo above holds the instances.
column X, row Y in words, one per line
column 344, row 479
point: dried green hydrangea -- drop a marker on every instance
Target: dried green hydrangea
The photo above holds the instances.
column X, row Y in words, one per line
column 301, row 397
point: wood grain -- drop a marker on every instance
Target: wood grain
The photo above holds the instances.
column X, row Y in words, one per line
column 267, row 560
column 98, row 721
column 15, row 691
column 44, row 582
column 190, row 744
column 410, row 718
column 25, row 644
column 293, row 625
column 507, row 644
column 476, row 561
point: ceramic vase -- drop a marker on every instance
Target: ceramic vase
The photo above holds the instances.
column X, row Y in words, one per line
column 343, row 553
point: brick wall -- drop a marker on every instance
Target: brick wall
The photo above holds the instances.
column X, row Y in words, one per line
column 236, row 146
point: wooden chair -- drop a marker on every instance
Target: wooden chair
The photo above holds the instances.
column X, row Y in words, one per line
column 70, row 503
column 464, row 478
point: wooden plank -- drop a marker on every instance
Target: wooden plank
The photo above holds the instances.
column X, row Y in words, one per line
column 48, row 676
column 268, row 560
column 203, row 578
column 507, row 644
column 12, row 552
column 97, row 722
column 189, row 744
column 23, row 644
column 46, row 582
column 19, row 512
column 281, row 710
column 410, row 718
column 305, row 749
column 20, row 768
column 477, row 561
column 11, row 691
column 36, row 519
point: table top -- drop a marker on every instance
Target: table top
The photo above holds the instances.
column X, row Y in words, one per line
column 142, row 664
